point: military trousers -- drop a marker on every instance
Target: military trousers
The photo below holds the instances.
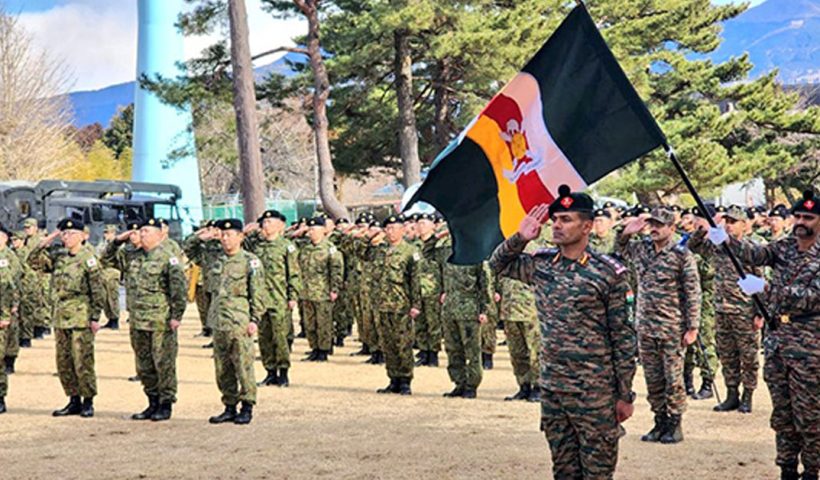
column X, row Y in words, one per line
column 370, row 331
column 27, row 311
column 111, row 282
column 397, row 343
column 274, row 328
column 662, row 361
column 523, row 340
column 794, row 385
column 463, row 346
column 318, row 318
column 582, row 433
column 737, row 342
column 489, row 338
column 233, row 359
column 4, row 379
column 695, row 358
column 12, row 340
column 75, row 361
column 155, row 353
column 428, row 325
column 42, row 317
column 203, row 302
column 342, row 314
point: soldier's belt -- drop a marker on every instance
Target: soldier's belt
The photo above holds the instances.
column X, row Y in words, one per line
column 805, row 318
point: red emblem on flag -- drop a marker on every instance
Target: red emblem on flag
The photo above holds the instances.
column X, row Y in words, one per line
column 809, row 204
column 566, row 202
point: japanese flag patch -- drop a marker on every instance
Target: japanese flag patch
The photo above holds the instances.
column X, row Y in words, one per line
column 332, row 249
column 291, row 248
column 416, row 256
column 4, row 263
column 255, row 263
column 91, row 262
column 173, row 261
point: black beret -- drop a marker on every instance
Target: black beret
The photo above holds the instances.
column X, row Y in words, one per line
column 608, row 205
column 151, row 222
column 70, row 224
column 229, row 224
column 362, row 218
column 425, row 216
column 810, row 203
column 316, row 222
column 571, row 202
column 721, row 209
column 272, row 214
column 392, row 219
column 779, row 211
column 133, row 225
column 675, row 208
column 343, row 221
column 602, row 213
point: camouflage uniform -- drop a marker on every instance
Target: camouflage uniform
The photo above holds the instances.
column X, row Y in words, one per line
column 208, row 254
column 737, row 339
column 792, row 351
column 669, row 298
column 353, row 282
column 428, row 323
column 342, row 307
column 10, row 273
column 34, row 306
column 111, row 279
column 240, row 297
column 322, row 268
column 77, row 296
column 706, row 361
column 156, row 293
column 283, row 283
column 467, row 292
column 588, row 352
column 517, row 311
column 397, row 290
column 604, row 244
column 370, row 332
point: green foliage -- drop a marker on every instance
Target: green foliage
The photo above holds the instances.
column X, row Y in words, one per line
column 119, row 137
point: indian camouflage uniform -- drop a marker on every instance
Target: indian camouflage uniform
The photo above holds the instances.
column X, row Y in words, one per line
column 669, row 298
column 77, row 297
column 737, row 339
column 322, row 269
column 10, row 273
column 397, row 290
column 588, row 352
column 283, row 284
column 792, row 351
column 240, row 298
column 156, row 293
column 467, row 290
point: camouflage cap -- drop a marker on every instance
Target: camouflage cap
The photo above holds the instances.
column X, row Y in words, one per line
column 736, row 213
column 662, row 215
column 20, row 235
column 110, row 228
column 30, row 222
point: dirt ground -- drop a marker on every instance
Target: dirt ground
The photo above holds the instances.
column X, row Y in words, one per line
column 331, row 424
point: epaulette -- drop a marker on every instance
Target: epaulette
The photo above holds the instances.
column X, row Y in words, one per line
column 548, row 252
column 680, row 249
column 610, row 262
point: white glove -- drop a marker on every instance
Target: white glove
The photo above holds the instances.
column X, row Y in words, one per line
column 717, row 235
column 752, row 284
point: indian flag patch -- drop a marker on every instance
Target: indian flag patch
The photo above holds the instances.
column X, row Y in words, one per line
column 630, row 296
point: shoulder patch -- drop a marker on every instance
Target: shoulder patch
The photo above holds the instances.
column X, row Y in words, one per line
column 173, row 261
column 332, row 249
column 4, row 263
column 546, row 252
column 91, row 262
column 619, row 268
column 680, row 249
column 255, row 263
column 416, row 256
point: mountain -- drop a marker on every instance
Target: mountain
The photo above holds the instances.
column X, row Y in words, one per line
column 782, row 34
column 99, row 106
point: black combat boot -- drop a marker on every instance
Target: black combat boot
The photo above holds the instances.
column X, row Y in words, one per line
column 535, row 393
column 404, row 386
column 9, row 361
column 705, row 391
column 2, row 405
column 311, row 356
column 457, row 392
column 322, row 357
column 74, row 407
column 432, row 358
column 46, row 331
column 522, row 394
column 153, row 404
column 674, row 430
column 227, row 416
column 809, row 475
column 25, row 343
column 423, row 358
column 245, row 414
column 88, row 408
column 302, row 334
column 365, row 350
column 487, row 361
column 39, row 333
column 661, row 419
column 135, row 378
column 469, row 393
column 340, row 341
column 283, row 377
column 379, row 358
column 688, row 382
column 113, row 324
column 746, row 401
column 208, row 345
column 732, row 401
column 393, row 387
column 163, row 412
column 789, row 472
column 271, row 379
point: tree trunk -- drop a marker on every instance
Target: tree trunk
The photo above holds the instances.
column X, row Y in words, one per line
column 321, row 87
column 408, row 136
column 441, row 100
column 244, row 102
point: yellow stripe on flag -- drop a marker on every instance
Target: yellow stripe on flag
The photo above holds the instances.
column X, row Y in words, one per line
column 487, row 134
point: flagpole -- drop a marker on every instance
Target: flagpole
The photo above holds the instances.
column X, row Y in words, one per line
column 702, row 206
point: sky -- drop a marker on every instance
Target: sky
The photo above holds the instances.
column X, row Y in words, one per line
column 97, row 39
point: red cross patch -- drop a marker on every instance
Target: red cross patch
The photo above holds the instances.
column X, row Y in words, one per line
column 566, row 202
column 809, row 204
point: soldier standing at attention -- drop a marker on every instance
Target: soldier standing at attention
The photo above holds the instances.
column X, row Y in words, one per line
column 398, row 294
column 588, row 345
column 10, row 272
column 516, row 308
column 111, row 277
column 322, row 268
column 279, row 259
column 203, row 248
column 78, row 295
column 428, row 323
column 668, row 315
column 792, row 350
column 239, row 302
column 156, row 287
